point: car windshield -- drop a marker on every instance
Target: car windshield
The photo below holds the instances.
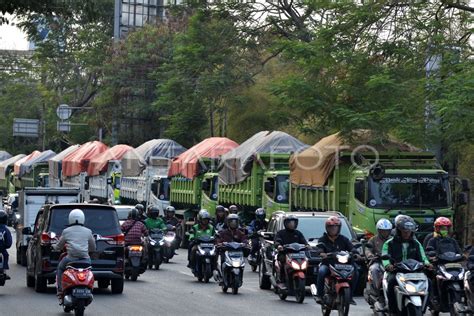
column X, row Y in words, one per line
column 122, row 212
column 102, row 221
column 315, row 227
column 403, row 191
column 282, row 188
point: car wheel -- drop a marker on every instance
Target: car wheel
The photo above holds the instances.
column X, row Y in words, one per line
column 103, row 284
column 41, row 284
column 23, row 259
column 117, row 286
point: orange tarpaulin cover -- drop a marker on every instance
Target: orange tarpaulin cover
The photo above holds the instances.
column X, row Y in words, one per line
column 312, row 166
column 98, row 164
column 78, row 161
column 16, row 166
column 187, row 164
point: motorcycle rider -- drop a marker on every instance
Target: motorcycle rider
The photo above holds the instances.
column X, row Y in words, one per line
column 442, row 242
column 220, row 221
column 79, row 242
column 154, row 221
column 401, row 247
column 141, row 212
column 173, row 223
column 286, row 236
column 202, row 228
column 333, row 241
column 134, row 229
column 256, row 225
column 231, row 234
column 233, row 209
column 5, row 241
column 384, row 229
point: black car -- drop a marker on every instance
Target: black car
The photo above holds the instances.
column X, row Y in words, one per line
column 312, row 225
column 107, row 261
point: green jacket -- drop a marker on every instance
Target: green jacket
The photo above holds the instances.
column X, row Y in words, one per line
column 158, row 222
column 197, row 231
column 400, row 250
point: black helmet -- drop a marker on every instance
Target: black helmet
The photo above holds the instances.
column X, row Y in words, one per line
column 233, row 221
column 140, row 208
column 154, row 212
column 133, row 214
column 220, row 208
column 260, row 214
column 3, row 217
column 233, row 209
column 288, row 219
column 405, row 223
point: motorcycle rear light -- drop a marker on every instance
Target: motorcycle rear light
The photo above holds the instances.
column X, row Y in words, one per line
column 116, row 240
column 136, row 248
column 81, row 276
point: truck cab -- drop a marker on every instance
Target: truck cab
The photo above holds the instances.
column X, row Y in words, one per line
column 210, row 191
column 277, row 191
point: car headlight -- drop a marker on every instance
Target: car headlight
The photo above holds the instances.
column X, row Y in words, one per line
column 410, row 288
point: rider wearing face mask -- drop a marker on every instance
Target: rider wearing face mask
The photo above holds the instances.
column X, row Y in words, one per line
column 333, row 241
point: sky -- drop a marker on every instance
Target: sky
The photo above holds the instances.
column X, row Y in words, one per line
column 11, row 37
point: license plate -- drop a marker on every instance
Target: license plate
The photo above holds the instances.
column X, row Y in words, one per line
column 235, row 253
column 135, row 253
column 81, row 293
column 343, row 267
column 207, row 245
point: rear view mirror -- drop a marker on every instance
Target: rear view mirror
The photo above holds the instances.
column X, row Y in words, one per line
column 360, row 236
column 26, row 231
column 430, row 248
column 357, row 245
column 370, row 246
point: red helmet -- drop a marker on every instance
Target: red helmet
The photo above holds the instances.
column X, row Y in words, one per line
column 441, row 222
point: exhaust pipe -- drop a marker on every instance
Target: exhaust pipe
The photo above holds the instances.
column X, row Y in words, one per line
column 67, row 300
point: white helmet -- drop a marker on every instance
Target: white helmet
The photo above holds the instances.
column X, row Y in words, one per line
column 76, row 217
column 384, row 224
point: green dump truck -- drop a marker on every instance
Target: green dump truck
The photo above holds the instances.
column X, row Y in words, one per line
column 267, row 186
column 38, row 176
column 379, row 185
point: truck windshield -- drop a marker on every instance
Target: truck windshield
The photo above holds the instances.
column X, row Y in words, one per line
column 282, row 188
column 404, row 191
column 215, row 183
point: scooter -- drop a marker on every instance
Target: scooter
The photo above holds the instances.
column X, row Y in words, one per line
column 231, row 272
column 169, row 245
column 337, row 285
column 133, row 262
column 2, row 272
column 255, row 259
column 411, row 291
column 155, row 248
column 373, row 291
column 449, row 282
column 294, row 269
column 77, row 284
column 205, row 258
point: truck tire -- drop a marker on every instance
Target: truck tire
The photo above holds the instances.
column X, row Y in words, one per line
column 23, row 259
column 30, row 281
column 103, row 284
column 117, row 286
column 41, row 284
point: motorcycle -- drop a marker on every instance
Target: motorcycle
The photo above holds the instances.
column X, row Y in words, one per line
column 337, row 285
column 169, row 245
column 205, row 258
column 77, row 284
column 2, row 272
column 295, row 267
column 255, row 259
column 231, row 271
column 469, row 285
column 373, row 292
column 411, row 291
column 135, row 254
column 156, row 241
column 449, row 282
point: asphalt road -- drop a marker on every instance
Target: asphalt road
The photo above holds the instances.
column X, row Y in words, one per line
column 172, row 290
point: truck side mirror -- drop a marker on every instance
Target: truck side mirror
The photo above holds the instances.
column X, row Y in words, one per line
column 26, row 231
column 465, row 185
column 462, row 198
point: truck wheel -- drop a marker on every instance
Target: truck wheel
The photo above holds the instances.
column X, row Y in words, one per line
column 103, row 284
column 23, row 259
column 263, row 280
column 30, row 281
column 117, row 286
column 41, row 284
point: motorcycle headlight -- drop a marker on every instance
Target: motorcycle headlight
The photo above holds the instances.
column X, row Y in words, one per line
column 169, row 238
column 162, row 242
column 342, row 259
column 304, row 265
column 18, row 216
column 212, row 252
column 152, row 242
column 410, row 288
column 295, row 265
column 236, row 264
